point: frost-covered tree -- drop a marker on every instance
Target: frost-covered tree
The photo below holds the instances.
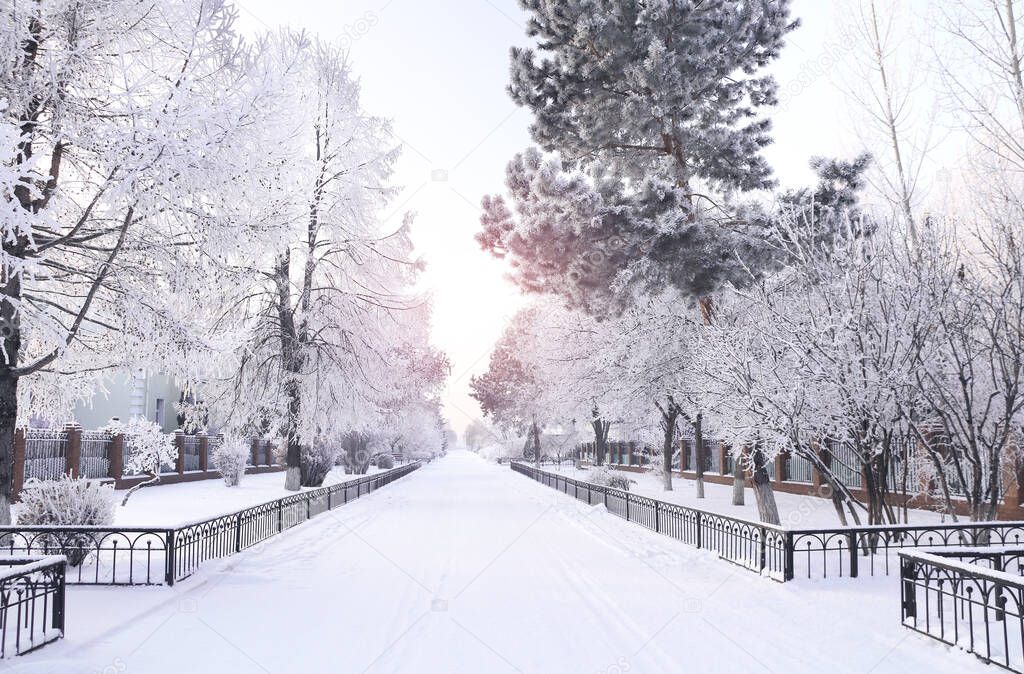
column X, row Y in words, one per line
column 509, row 392
column 673, row 89
column 122, row 127
column 661, row 105
column 147, row 449
column 337, row 337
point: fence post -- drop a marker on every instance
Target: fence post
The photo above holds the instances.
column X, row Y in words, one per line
column 852, row 540
column 171, row 555
column 908, row 572
column 57, row 620
column 73, row 458
column 657, row 517
column 700, row 530
column 19, row 462
column 268, row 453
column 627, row 506
column 789, row 572
column 204, row 452
column 116, row 457
column 238, row 532
column 280, row 516
column 179, row 442
column 255, row 448
column 762, row 550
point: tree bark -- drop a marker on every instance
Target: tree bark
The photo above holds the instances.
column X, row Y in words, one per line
column 8, row 426
column 767, row 509
column 291, row 362
column 536, row 443
column 601, row 429
column 698, row 453
column 670, row 414
column 739, row 481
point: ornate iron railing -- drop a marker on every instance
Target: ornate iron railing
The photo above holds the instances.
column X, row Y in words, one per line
column 752, row 545
column 972, row 598
column 851, row 551
column 191, row 453
column 779, row 552
column 45, row 453
column 31, row 603
column 96, row 454
column 154, row 556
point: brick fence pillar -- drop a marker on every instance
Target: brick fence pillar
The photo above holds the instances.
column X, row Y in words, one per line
column 18, row 478
column 268, row 452
column 115, row 467
column 73, row 458
column 179, row 443
column 780, row 467
column 204, row 452
column 723, row 458
column 255, row 448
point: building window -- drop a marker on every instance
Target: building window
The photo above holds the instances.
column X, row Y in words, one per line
column 159, row 416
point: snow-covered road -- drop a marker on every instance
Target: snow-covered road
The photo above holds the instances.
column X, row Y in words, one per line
column 465, row 566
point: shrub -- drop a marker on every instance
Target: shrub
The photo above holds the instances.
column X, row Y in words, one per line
column 229, row 458
column 67, row 502
column 601, row 475
column 148, row 447
column 316, row 462
column 385, row 462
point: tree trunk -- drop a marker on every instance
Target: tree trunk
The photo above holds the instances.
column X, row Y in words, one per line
column 698, row 453
column 666, row 458
column 536, row 443
column 8, row 426
column 8, row 392
column 739, row 481
column 601, row 429
column 669, row 417
column 291, row 362
column 763, row 494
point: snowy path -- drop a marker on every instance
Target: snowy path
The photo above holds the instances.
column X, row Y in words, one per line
column 465, row 566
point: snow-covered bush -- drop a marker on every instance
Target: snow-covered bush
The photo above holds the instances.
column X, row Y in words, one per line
column 601, row 475
column 317, row 460
column 67, row 502
column 147, row 447
column 501, row 451
column 230, row 458
column 385, row 462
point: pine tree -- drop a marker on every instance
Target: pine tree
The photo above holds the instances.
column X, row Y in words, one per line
column 655, row 112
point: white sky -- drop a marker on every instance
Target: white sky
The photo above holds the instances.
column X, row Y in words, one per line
column 438, row 69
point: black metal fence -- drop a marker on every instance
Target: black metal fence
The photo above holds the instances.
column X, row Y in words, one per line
column 193, row 544
column 95, row 454
column 779, row 552
column 160, row 555
column 45, row 453
column 31, row 603
column 852, row 551
column 752, row 545
column 971, row 598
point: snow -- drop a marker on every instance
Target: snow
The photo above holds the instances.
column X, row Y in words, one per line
column 174, row 504
column 466, row 566
column 795, row 511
